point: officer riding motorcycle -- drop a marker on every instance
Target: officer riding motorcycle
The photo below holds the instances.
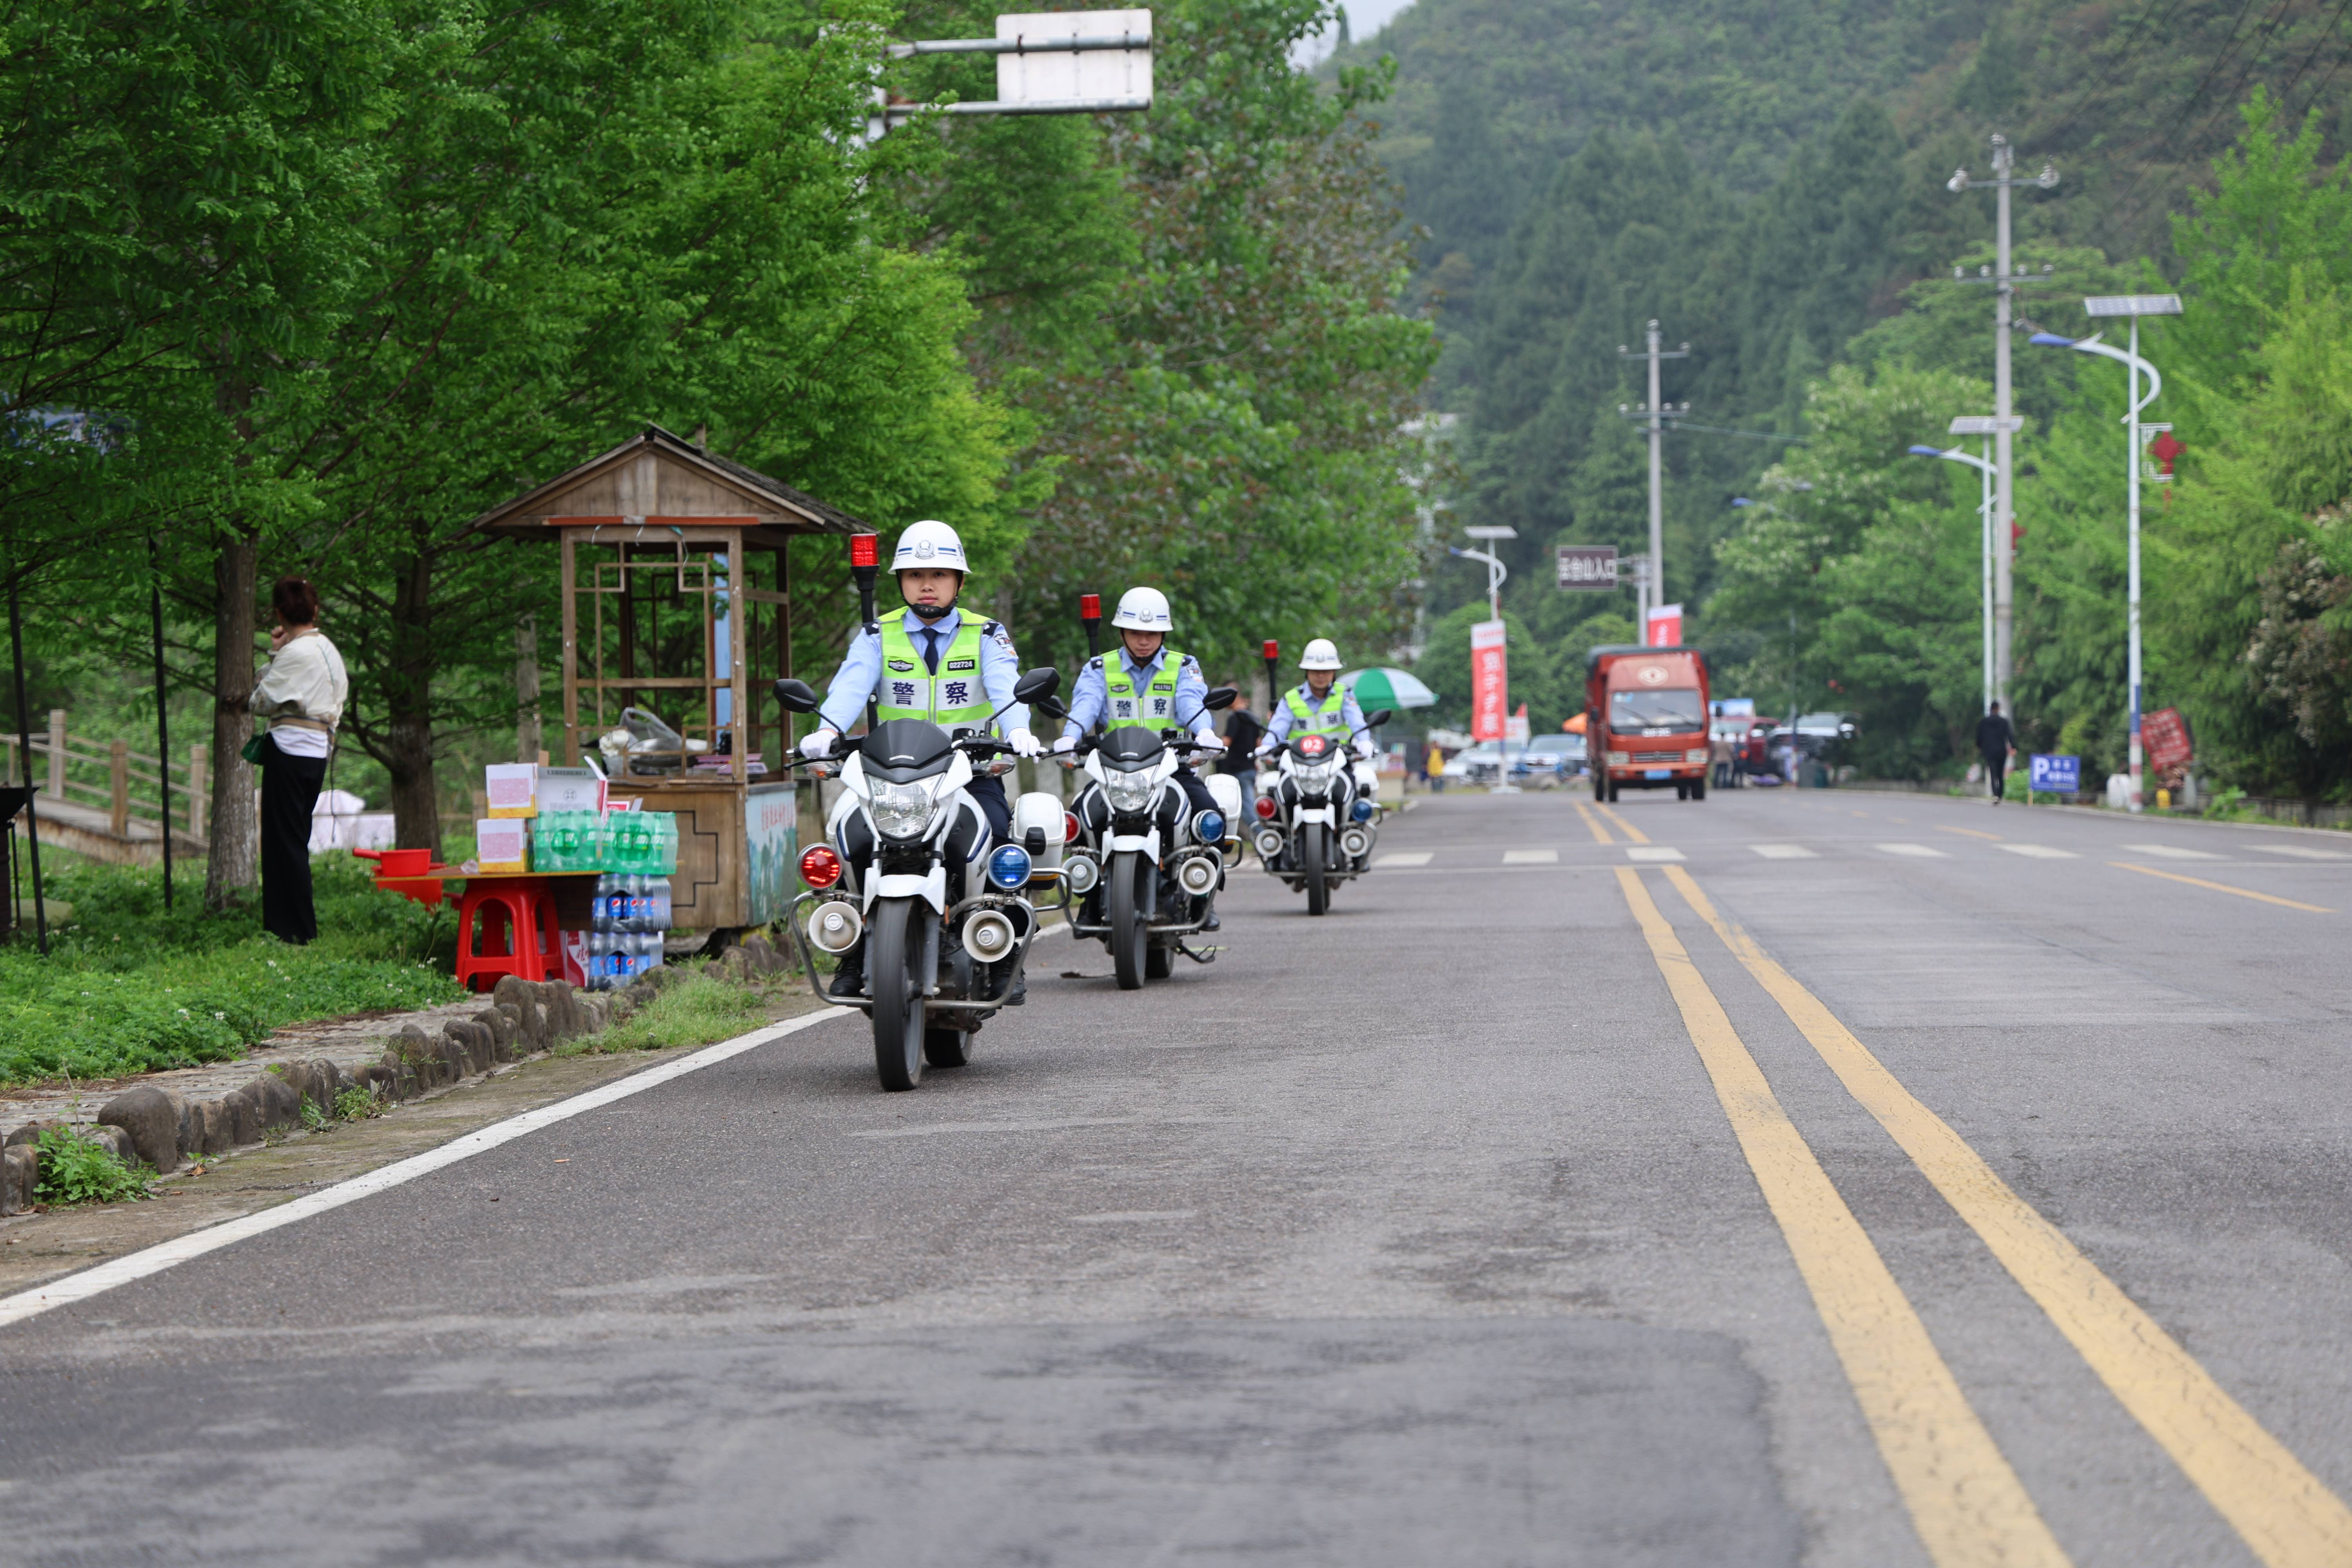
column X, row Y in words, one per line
column 1143, row 681
column 1318, row 820
column 934, row 662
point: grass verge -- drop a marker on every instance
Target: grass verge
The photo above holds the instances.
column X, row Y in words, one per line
column 697, row 1008
column 130, row 987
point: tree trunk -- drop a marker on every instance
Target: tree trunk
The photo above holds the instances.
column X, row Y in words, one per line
column 235, row 847
column 408, row 712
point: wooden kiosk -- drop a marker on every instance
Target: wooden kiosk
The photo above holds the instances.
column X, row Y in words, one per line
column 661, row 614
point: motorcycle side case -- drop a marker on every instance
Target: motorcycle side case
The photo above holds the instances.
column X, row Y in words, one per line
column 1226, row 790
column 1040, row 810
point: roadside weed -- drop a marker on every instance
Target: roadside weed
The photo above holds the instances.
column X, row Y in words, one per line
column 79, row 1170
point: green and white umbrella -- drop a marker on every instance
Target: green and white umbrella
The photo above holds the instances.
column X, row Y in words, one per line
column 1388, row 689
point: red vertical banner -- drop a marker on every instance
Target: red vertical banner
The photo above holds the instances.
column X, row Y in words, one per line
column 1665, row 629
column 1490, row 682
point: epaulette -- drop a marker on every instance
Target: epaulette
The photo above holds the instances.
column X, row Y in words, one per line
column 1095, row 663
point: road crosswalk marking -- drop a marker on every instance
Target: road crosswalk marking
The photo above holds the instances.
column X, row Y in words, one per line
column 2039, row 851
column 2172, row 852
column 1916, row 851
column 2299, row 852
column 1404, row 858
column 1531, row 856
column 1783, row 851
column 1654, row 853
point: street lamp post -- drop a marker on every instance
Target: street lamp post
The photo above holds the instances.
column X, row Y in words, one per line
column 1495, row 573
column 1987, row 427
column 2131, row 306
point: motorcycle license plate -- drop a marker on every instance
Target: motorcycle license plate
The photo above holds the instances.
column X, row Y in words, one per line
column 1657, row 772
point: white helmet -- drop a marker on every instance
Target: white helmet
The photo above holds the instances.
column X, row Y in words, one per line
column 1320, row 655
column 1143, row 610
column 926, row 545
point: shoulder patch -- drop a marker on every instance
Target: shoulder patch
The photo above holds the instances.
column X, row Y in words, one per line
column 1095, row 663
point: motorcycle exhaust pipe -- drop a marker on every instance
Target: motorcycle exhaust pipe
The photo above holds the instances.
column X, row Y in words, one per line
column 1197, row 875
column 1081, row 871
column 987, row 935
column 835, row 926
column 1353, row 842
column 1269, row 843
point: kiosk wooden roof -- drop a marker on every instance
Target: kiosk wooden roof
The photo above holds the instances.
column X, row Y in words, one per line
column 658, row 479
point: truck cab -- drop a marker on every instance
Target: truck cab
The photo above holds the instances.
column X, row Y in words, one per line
column 1647, row 722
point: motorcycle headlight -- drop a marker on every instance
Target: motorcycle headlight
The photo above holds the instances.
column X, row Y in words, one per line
column 1314, row 775
column 1128, row 792
column 900, row 810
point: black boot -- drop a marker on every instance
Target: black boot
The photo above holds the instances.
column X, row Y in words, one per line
column 849, row 976
column 1020, row 988
column 1209, row 921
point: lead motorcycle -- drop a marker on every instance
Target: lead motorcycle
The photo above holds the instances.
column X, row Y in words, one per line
column 1142, row 864
column 1319, row 817
column 945, row 943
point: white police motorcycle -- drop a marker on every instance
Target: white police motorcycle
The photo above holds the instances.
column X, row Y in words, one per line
column 1141, row 863
column 934, row 971
column 1318, row 816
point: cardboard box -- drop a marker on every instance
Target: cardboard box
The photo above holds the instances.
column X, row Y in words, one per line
column 570, row 789
column 511, row 789
column 502, row 846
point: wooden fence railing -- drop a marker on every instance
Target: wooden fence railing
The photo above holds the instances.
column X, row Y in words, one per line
column 109, row 776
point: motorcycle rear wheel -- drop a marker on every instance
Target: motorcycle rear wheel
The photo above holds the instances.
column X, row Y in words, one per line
column 1129, row 939
column 895, row 951
column 1312, row 854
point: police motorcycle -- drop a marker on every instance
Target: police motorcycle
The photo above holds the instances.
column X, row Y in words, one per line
column 934, row 972
column 1141, row 863
column 1317, row 814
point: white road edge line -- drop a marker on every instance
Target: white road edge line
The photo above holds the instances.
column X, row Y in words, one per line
column 165, row 1255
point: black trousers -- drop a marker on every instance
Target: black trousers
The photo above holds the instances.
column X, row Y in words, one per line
column 289, row 788
column 1996, row 768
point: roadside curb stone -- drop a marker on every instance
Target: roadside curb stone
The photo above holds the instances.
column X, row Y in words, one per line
column 192, row 1114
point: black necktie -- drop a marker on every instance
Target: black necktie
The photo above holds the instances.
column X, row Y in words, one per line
column 931, row 647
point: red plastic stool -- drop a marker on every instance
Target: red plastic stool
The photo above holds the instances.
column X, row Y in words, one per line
column 518, row 932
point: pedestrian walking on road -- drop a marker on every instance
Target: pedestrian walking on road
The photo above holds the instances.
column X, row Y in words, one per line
column 1433, row 768
column 1996, row 743
column 1242, row 733
column 301, row 694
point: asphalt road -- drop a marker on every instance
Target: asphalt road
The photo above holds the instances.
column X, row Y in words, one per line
column 1825, row 1178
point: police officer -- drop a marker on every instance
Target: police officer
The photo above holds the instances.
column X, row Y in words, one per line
column 930, row 661
column 1144, row 681
column 1319, row 706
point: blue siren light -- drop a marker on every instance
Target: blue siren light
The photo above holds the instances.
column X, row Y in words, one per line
column 1361, row 811
column 1008, row 867
column 1209, row 827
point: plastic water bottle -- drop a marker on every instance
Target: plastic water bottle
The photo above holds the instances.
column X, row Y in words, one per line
column 601, row 911
column 662, row 857
column 658, row 902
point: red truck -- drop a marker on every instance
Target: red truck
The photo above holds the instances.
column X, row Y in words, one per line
column 1647, row 720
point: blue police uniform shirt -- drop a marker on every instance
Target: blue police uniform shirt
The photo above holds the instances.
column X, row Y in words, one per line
column 1277, row 728
column 1089, row 701
column 860, row 675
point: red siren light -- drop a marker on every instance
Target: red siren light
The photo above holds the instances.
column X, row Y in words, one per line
column 865, row 550
column 820, row 867
column 1090, row 607
column 1273, row 648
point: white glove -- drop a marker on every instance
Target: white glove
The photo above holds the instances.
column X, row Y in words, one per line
column 1023, row 744
column 819, row 744
column 1066, row 745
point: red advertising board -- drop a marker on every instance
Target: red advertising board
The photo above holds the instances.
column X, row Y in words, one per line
column 2164, row 735
column 1489, row 681
column 1666, row 627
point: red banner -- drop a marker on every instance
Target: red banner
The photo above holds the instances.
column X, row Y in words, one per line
column 1666, row 627
column 1490, row 682
column 2164, row 735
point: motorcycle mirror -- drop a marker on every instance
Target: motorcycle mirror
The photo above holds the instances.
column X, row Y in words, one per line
column 1376, row 718
column 795, row 696
column 1037, row 684
column 1220, row 697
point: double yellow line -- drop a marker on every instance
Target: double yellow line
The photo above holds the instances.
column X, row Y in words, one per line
column 1968, row 1504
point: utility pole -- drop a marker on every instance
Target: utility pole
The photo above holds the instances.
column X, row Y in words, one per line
column 2004, row 163
column 1653, row 414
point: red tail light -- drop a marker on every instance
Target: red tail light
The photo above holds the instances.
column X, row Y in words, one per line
column 865, row 548
column 1265, row 807
column 820, row 867
column 1090, row 607
column 1069, row 827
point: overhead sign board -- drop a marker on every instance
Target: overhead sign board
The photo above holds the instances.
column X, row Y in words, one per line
column 2133, row 305
column 1986, row 424
column 1101, row 75
column 1588, row 567
column 2058, row 775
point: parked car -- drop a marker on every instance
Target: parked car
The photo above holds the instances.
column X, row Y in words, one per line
column 1478, row 765
column 1549, row 759
column 1821, row 738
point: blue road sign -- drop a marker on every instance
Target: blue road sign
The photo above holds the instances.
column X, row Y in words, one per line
column 2058, row 775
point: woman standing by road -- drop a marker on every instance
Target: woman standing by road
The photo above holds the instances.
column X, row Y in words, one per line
column 301, row 694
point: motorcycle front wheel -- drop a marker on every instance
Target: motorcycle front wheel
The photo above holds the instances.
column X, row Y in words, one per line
column 895, row 951
column 1127, row 936
column 1311, row 849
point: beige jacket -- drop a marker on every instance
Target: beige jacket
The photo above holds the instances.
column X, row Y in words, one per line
column 305, row 682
